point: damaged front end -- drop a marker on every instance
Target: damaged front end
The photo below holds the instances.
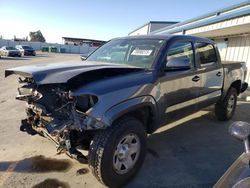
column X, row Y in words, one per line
column 54, row 113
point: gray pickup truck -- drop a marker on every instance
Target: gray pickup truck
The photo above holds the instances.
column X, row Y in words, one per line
column 125, row 90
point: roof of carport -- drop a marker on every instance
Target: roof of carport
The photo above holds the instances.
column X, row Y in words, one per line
column 182, row 26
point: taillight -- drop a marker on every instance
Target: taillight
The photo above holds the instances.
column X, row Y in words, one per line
column 245, row 73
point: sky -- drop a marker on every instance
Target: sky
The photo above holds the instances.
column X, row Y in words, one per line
column 95, row 19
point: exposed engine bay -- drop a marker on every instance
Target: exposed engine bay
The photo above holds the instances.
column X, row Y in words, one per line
column 53, row 113
column 60, row 107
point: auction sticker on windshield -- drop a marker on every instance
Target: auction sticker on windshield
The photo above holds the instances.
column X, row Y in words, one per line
column 141, row 52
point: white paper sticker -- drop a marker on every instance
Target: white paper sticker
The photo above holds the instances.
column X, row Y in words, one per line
column 141, row 52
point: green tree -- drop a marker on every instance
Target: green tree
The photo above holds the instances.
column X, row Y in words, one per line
column 37, row 36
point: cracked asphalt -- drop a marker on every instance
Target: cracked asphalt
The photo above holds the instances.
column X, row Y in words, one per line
column 191, row 152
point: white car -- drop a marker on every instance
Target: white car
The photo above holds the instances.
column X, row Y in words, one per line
column 9, row 52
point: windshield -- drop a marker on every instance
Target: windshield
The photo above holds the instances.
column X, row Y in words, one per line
column 10, row 48
column 26, row 47
column 134, row 52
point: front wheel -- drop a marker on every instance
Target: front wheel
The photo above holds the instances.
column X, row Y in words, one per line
column 117, row 153
column 225, row 110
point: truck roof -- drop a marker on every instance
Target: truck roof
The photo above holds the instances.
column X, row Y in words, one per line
column 168, row 37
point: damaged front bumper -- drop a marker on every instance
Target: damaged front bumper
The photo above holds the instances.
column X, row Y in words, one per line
column 61, row 146
column 61, row 120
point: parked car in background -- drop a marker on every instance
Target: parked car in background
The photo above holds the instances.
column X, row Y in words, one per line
column 26, row 50
column 9, row 52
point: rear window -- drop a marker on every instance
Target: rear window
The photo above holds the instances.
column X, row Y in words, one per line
column 206, row 53
column 27, row 47
column 10, row 48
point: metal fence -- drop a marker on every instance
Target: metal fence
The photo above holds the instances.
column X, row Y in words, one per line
column 39, row 45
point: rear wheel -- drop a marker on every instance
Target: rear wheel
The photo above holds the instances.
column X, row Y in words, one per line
column 117, row 153
column 225, row 110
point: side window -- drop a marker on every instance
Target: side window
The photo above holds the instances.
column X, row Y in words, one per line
column 206, row 53
column 180, row 54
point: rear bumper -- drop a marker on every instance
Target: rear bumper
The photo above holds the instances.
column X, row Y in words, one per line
column 244, row 87
column 29, row 53
column 14, row 55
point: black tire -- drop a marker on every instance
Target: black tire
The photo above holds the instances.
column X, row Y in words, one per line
column 221, row 108
column 102, row 151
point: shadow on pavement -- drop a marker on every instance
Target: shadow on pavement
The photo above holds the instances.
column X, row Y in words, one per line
column 36, row 56
column 24, row 57
column 193, row 154
column 51, row 183
column 14, row 58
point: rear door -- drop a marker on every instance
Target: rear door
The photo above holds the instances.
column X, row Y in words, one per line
column 211, row 72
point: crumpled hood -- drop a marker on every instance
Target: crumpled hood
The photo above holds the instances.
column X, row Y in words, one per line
column 61, row 72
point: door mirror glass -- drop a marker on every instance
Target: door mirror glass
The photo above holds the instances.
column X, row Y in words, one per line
column 83, row 57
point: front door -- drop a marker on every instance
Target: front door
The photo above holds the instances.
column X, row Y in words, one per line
column 180, row 86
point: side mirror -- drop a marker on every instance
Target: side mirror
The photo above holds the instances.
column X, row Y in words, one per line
column 178, row 63
column 241, row 131
column 83, row 57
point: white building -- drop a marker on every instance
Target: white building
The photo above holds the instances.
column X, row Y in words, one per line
column 229, row 27
column 150, row 27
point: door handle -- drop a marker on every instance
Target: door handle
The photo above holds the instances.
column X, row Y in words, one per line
column 218, row 74
column 196, row 79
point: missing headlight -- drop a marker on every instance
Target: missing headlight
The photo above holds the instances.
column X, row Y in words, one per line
column 85, row 102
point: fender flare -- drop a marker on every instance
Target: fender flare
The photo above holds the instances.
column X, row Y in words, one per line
column 129, row 105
